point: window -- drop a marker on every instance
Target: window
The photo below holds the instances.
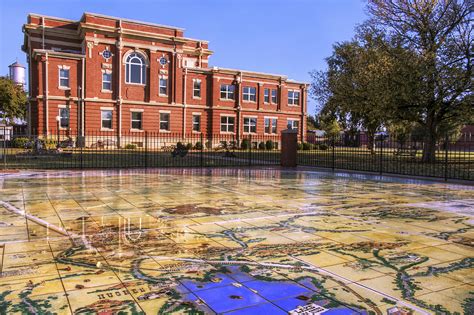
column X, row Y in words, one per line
column 266, row 95
column 107, row 81
column 197, row 88
column 165, row 121
column 249, row 94
column 106, row 117
column 137, row 120
column 64, row 118
column 197, row 123
column 64, row 78
column 293, row 97
column 250, row 124
column 274, row 96
column 135, row 69
column 163, row 86
column 227, row 92
column 270, row 125
column 293, row 124
column 227, row 123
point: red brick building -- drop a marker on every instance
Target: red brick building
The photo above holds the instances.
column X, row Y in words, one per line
column 121, row 76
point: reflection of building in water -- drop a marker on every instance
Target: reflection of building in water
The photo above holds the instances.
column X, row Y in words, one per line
column 310, row 309
column 399, row 311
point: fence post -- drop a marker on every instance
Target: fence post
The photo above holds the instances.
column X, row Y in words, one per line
column 381, row 156
column 333, row 153
column 5, row 147
column 146, row 149
column 446, row 141
column 80, row 156
column 201, row 156
column 250, row 150
column 289, row 148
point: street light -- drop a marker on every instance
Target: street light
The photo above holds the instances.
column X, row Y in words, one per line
column 58, row 120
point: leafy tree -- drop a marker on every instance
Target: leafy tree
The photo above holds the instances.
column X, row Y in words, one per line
column 331, row 128
column 439, row 35
column 312, row 122
column 357, row 88
column 13, row 100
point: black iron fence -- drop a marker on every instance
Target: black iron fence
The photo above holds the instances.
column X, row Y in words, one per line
column 451, row 160
column 59, row 150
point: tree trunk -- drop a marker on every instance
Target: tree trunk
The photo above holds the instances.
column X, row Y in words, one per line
column 429, row 147
column 371, row 141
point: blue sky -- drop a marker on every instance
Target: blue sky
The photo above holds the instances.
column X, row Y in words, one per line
column 289, row 37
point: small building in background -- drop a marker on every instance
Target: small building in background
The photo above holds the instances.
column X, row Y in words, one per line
column 6, row 132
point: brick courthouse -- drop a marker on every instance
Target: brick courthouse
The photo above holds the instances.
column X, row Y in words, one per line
column 124, row 77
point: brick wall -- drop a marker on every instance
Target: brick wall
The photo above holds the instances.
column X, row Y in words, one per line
column 78, row 45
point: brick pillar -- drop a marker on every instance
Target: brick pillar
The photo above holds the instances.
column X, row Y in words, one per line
column 289, row 141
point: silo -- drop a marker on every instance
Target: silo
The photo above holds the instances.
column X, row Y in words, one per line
column 18, row 73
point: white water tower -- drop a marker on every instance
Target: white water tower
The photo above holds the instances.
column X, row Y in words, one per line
column 18, row 73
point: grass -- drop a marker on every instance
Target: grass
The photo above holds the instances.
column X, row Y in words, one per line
column 104, row 158
column 460, row 164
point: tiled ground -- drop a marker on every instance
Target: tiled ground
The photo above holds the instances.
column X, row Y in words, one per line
column 233, row 241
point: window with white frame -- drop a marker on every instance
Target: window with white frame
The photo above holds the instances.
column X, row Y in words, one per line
column 293, row 97
column 293, row 123
column 106, row 118
column 63, row 77
column 270, row 125
column 135, row 68
column 196, row 88
column 227, row 123
column 197, row 123
column 107, row 80
column 63, row 118
column 137, row 122
column 266, row 95
column 227, row 91
column 165, row 121
column 274, row 96
column 163, row 86
column 249, row 94
column 250, row 124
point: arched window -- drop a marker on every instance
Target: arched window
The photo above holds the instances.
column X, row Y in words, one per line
column 135, row 68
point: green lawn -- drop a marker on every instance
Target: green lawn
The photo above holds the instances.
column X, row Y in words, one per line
column 104, row 158
column 459, row 166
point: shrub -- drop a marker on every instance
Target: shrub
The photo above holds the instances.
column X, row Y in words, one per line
column 50, row 143
column 323, row 146
column 299, row 146
column 20, row 142
column 180, row 146
column 198, row 145
column 189, row 146
column 261, row 146
column 307, row 146
column 245, row 145
column 130, row 146
column 269, row 145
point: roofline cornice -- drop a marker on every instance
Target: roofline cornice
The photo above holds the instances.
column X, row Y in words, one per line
column 131, row 21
